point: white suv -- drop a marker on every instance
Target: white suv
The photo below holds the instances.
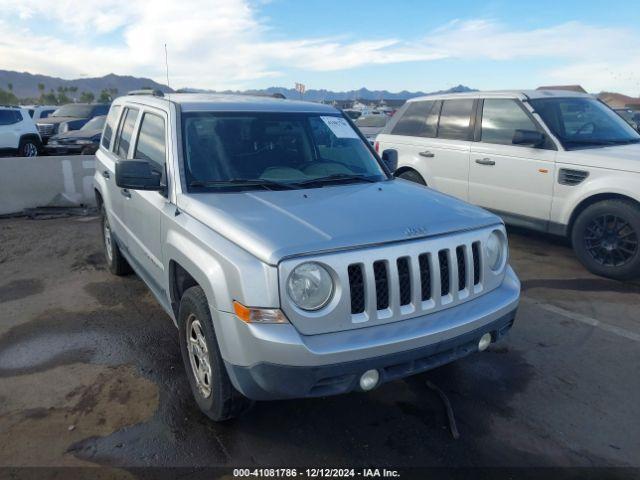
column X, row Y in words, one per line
column 554, row 161
column 18, row 133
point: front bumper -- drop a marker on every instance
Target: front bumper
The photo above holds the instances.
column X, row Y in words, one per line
column 274, row 361
column 61, row 149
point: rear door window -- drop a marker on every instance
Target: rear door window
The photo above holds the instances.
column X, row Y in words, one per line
column 420, row 119
column 500, row 120
column 123, row 140
column 455, row 119
column 112, row 121
column 9, row 117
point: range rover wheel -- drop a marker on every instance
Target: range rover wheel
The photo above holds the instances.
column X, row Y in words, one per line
column 606, row 239
column 412, row 176
column 208, row 377
column 115, row 261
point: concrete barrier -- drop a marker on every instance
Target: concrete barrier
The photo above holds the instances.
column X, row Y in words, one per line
column 64, row 181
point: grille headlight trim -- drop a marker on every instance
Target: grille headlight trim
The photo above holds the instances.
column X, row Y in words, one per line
column 310, row 286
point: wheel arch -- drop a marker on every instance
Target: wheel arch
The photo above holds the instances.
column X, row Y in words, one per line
column 180, row 280
column 406, row 168
column 593, row 199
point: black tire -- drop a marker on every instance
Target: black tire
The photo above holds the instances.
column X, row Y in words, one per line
column 221, row 401
column 115, row 261
column 412, row 176
column 29, row 147
column 606, row 239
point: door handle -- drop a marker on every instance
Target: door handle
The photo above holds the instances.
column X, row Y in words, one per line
column 106, row 174
column 427, row 154
column 126, row 193
column 485, row 161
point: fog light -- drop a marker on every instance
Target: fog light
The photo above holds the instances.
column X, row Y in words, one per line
column 369, row 379
column 485, row 341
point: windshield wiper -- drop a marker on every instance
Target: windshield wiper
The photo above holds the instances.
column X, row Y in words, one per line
column 336, row 177
column 242, row 182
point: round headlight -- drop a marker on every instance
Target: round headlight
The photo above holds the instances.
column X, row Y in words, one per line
column 310, row 286
column 494, row 250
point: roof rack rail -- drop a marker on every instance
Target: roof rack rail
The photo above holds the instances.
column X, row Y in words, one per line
column 147, row 91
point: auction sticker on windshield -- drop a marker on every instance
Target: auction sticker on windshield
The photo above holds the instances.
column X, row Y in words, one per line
column 339, row 127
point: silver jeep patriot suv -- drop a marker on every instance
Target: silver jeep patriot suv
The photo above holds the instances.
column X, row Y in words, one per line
column 289, row 258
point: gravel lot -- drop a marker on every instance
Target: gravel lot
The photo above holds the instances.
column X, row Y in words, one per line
column 90, row 373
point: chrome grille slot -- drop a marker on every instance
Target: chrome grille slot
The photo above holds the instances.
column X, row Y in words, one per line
column 356, row 286
column 404, row 280
column 425, row 276
column 462, row 267
column 445, row 273
column 382, row 284
column 475, row 248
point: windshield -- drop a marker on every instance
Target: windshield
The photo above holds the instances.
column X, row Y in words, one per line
column 253, row 150
column 80, row 111
column 584, row 122
column 96, row 123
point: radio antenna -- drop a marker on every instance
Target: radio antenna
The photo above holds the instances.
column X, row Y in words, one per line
column 166, row 65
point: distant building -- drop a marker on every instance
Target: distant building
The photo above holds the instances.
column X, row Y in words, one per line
column 569, row 88
column 618, row 100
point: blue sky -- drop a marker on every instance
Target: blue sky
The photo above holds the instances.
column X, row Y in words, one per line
column 338, row 45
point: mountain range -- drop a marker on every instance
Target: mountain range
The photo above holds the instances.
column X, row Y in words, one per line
column 25, row 85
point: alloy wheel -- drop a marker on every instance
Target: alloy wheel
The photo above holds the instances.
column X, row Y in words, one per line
column 199, row 355
column 610, row 240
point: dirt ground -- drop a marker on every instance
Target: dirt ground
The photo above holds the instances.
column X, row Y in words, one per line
column 91, row 374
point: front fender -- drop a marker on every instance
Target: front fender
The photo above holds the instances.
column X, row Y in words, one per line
column 223, row 270
column 600, row 181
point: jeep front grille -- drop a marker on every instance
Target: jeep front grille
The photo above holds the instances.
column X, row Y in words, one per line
column 433, row 278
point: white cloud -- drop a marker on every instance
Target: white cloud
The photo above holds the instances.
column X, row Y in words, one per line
column 226, row 44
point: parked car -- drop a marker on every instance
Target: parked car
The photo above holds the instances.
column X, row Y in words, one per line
column 554, row 161
column 631, row 116
column 18, row 133
column 291, row 261
column 69, row 117
column 84, row 141
column 40, row 111
column 371, row 125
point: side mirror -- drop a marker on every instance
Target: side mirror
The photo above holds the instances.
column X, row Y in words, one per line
column 531, row 138
column 390, row 159
column 137, row 175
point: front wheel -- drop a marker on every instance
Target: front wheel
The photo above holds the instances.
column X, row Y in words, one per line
column 115, row 261
column 606, row 237
column 28, row 148
column 207, row 375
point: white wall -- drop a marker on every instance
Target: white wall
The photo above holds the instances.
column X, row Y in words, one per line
column 64, row 181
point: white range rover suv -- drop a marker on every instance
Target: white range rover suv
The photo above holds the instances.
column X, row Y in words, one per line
column 18, row 133
column 555, row 161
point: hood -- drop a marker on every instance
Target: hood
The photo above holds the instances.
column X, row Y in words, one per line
column 56, row 120
column 273, row 225
column 76, row 134
column 620, row 157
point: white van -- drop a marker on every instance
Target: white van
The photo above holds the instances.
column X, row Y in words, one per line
column 555, row 161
